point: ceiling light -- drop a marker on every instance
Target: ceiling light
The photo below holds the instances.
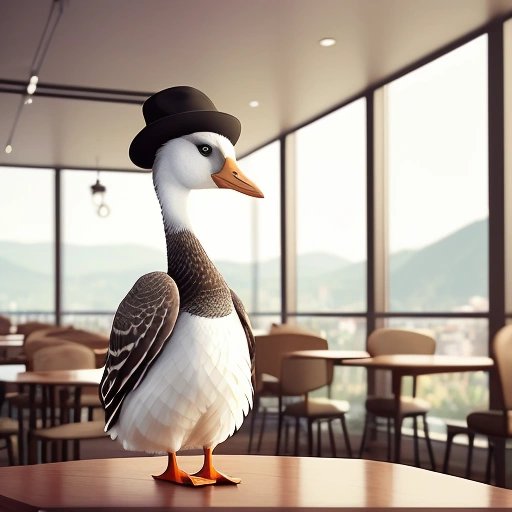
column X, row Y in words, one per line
column 98, row 191
column 254, row 103
column 51, row 24
column 327, row 41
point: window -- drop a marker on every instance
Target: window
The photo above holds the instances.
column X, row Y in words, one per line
column 104, row 256
column 330, row 168
column 437, row 169
column 241, row 235
column 27, row 244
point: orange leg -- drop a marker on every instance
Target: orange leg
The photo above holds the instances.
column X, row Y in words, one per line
column 177, row 476
column 210, row 473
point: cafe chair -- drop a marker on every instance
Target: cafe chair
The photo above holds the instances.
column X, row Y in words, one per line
column 298, row 378
column 5, row 325
column 8, row 430
column 386, row 341
column 496, row 424
column 67, row 356
column 269, row 351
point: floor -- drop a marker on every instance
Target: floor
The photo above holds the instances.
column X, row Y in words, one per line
column 238, row 444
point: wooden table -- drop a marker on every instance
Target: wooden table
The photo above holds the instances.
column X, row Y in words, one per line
column 414, row 364
column 74, row 378
column 337, row 356
column 268, row 483
column 11, row 340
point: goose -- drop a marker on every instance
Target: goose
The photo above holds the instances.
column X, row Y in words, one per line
column 178, row 373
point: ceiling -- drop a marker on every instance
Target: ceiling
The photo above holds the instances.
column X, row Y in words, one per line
column 233, row 50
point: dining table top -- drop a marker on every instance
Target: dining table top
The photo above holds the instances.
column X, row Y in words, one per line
column 328, row 354
column 12, row 374
column 11, row 340
column 420, row 363
column 268, row 483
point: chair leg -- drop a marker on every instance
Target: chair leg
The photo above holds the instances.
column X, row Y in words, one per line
column 416, row 442
column 76, row 450
column 448, row 449
column 429, row 443
column 32, row 448
column 90, row 413
column 262, row 429
column 64, row 451
column 488, row 466
column 254, row 413
column 469, row 461
column 499, row 461
column 297, row 431
column 366, row 426
column 310, row 437
column 279, row 426
column 390, row 441
column 10, row 451
column 331, row 439
column 345, row 435
column 318, row 438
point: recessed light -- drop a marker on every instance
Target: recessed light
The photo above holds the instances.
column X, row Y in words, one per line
column 8, row 149
column 327, row 41
column 254, row 103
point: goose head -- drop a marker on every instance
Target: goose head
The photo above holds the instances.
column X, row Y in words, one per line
column 200, row 160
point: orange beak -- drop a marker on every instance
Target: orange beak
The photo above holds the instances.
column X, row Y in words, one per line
column 230, row 176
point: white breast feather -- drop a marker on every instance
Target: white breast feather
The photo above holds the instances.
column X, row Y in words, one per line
column 197, row 392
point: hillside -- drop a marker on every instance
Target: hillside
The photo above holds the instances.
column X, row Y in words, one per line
column 441, row 276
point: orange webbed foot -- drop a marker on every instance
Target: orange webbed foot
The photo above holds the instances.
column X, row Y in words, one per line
column 175, row 475
column 208, row 472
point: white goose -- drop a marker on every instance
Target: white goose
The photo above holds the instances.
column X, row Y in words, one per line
column 179, row 366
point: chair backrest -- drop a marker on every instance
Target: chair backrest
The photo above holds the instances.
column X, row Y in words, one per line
column 502, row 348
column 28, row 328
column 386, row 341
column 65, row 356
column 270, row 349
column 291, row 329
column 300, row 376
column 5, row 325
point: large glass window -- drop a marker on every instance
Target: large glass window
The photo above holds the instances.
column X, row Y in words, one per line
column 104, row 256
column 27, row 243
column 330, row 169
column 241, row 234
column 507, row 53
column 437, row 171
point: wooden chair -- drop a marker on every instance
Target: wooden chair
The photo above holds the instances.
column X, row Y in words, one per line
column 8, row 429
column 67, row 356
column 387, row 341
column 299, row 377
column 5, row 325
column 496, row 424
column 269, row 351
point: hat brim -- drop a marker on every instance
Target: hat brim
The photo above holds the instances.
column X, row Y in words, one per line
column 147, row 142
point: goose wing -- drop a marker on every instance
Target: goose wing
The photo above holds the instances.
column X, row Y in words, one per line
column 142, row 325
column 246, row 324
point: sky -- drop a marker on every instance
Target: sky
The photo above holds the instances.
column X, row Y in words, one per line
column 437, row 168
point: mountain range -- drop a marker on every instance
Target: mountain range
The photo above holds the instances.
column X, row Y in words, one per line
column 439, row 277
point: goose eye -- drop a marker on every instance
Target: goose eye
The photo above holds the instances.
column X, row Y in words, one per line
column 204, row 149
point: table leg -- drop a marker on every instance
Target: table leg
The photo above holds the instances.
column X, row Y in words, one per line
column 397, row 393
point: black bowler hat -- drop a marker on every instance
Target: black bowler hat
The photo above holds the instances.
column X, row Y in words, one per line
column 175, row 112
